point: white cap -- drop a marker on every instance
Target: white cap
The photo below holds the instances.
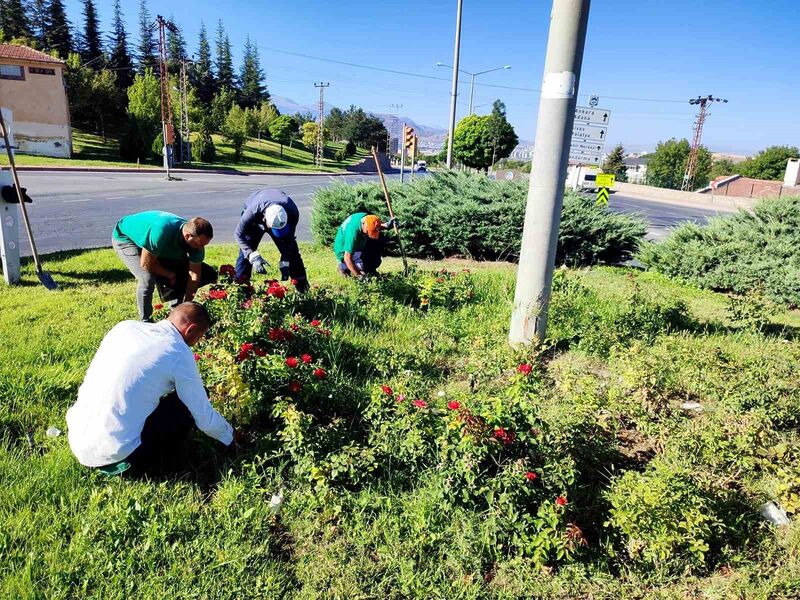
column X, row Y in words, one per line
column 275, row 217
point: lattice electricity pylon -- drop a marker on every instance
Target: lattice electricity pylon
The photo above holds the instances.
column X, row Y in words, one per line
column 163, row 76
column 186, row 147
column 321, row 122
column 691, row 164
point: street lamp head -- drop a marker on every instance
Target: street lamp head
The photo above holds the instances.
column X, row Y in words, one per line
column 440, row 64
column 507, row 67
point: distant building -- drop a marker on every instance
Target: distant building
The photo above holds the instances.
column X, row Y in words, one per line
column 522, row 153
column 637, row 168
column 33, row 90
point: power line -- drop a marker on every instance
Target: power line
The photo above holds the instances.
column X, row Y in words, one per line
column 436, row 78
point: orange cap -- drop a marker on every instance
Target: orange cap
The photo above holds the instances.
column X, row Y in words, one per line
column 373, row 224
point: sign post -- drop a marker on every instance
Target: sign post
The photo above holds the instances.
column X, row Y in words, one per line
column 604, row 181
column 589, row 133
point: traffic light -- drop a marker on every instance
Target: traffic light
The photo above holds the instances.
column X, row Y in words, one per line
column 409, row 138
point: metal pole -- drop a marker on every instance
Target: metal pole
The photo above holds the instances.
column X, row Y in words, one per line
column 562, row 71
column 471, row 92
column 403, row 154
column 454, row 90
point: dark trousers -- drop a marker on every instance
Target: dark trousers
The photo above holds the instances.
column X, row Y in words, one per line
column 130, row 254
column 164, row 435
column 287, row 246
column 367, row 260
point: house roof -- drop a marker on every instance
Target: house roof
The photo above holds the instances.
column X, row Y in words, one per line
column 12, row 52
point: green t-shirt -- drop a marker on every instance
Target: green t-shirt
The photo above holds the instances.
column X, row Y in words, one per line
column 349, row 237
column 157, row 232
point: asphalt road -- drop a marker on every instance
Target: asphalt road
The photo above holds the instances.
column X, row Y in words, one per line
column 79, row 210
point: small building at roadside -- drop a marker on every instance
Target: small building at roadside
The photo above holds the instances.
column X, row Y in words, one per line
column 32, row 89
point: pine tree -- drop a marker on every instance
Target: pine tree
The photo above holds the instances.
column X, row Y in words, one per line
column 14, row 21
column 224, row 61
column 119, row 59
column 615, row 163
column 251, row 76
column 91, row 48
column 202, row 75
column 176, row 47
column 40, row 18
column 146, row 51
column 58, row 36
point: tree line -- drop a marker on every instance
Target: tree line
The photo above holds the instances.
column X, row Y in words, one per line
column 113, row 85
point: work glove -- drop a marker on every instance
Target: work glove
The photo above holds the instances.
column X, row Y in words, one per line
column 284, row 268
column 301, row 285
column 391, row 223
column 259, row 264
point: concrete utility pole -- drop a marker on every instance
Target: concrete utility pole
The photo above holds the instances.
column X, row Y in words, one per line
column 186, row 147
column 320, row 137
column 562, row 70
column 454, row 90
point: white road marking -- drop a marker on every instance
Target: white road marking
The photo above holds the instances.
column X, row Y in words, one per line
column 117, row 198
column 152, row 196
column 83, row 200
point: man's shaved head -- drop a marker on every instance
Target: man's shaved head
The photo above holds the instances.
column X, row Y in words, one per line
column 191, row 320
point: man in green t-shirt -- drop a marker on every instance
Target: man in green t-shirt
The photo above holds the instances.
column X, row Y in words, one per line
column 163, row 249
column 358, row 245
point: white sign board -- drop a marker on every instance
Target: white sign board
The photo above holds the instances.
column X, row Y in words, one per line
column 585, row 159
column 582, row 131
column 596, row 116
column 586, row 147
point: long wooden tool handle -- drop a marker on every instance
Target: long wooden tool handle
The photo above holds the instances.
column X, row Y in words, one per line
column 19, row 191
column 389, row 206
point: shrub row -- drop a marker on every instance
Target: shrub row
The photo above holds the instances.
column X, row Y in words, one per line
column 758, row 250
column 458, row 214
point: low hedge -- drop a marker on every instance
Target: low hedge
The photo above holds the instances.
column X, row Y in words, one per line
column 741, row 253
column 457, row 214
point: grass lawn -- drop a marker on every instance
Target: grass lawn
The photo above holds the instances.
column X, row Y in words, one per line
column 383, row 500
column 92, row 151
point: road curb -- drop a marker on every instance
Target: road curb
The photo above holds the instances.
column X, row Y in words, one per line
column 148, row 171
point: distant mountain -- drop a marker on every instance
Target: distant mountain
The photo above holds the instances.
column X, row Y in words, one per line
column 288, row 106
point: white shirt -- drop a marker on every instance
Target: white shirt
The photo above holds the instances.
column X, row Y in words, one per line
column 136, row 364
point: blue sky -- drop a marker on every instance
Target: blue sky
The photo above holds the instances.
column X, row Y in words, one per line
column 646, row 49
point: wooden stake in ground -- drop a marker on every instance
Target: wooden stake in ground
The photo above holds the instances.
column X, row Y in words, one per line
column 389, row 206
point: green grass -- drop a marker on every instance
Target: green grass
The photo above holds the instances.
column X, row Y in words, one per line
column 67, row 532
column 91, row 150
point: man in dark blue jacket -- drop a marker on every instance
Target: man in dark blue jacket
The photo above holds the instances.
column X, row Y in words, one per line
column 270, row 211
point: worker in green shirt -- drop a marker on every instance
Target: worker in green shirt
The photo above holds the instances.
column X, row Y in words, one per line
column 359, row 245
column 164, row 250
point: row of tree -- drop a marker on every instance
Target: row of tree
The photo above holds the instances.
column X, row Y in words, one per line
column 110, row 88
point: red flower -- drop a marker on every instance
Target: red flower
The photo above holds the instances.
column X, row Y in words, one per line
column 158, row 306
column 400, row 398
column 295, row 327
column 294, row 281
column 247, row 304
column 561, row 501
column 278, row 334
column 320, row 373
column 217, row 294
column 525, row 369
column 504, row 437
column 387, row 390
column 196, row 356
column 295, row 386
column 247, row 347
column 316, row 323
column 276, row 289
column 260, row 352
column 326, row 332
column 453, row 405
column 307, row 358
column 291, row 362
column 531, row 476
column 420, row 404
column 227, row 270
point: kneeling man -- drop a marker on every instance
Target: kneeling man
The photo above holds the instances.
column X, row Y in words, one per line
column 143, row 395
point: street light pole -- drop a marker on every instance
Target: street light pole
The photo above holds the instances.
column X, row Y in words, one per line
column 454, row 89
column 562, row 71
column 472, row 79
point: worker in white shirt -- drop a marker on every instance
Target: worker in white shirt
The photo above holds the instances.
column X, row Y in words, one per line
column 142, row 395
